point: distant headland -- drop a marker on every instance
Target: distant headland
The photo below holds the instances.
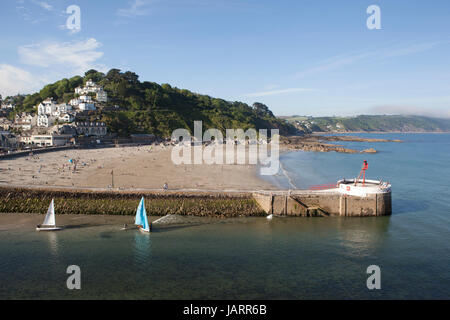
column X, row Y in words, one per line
column 369, row 123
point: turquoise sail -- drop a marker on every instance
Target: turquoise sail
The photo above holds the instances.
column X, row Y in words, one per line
column 139, row 221
column 145, row 225
column 141, row 216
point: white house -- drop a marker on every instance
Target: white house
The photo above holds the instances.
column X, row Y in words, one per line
column 84, row 103
column 47, row 107
column 75, row 102
column 64, row 108
column 87, row 106
column 45, row 121
column 25, row 121
column 102, row 96
column 86, row 99
column 92, row 87
column 66, row 117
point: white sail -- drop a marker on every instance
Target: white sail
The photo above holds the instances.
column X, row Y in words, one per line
column 50, row 217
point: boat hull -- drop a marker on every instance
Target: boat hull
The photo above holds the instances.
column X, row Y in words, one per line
column 143, row 230
column 44, row 228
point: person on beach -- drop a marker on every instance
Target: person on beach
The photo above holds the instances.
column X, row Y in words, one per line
column 166, row 186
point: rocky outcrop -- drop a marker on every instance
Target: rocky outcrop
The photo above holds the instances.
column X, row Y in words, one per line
column 371, row 150
column 316, row 143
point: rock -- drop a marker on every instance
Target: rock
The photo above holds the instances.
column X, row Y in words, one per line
column 371, row 150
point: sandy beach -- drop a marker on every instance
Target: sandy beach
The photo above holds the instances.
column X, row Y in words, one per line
column 144, row 167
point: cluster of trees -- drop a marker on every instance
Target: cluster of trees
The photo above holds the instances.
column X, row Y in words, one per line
column 147, row 107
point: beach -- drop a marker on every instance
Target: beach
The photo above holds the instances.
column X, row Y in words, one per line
column 143, row 167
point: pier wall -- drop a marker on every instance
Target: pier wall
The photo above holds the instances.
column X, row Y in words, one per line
column 83, row 201
column 217, row 204
column 324, row 204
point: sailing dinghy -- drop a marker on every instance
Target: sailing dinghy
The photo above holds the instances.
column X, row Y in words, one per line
column 49, row 221
column 141, row 218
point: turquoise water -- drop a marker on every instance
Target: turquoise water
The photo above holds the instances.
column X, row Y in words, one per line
column 252, row 258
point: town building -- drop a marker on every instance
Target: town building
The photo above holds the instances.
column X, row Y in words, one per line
column 84, row 103
column 45, row 121
column 64, row 108
column 5, row 124
column 25, row 139
column 86, row 106
column 7, row 106
column 47, row 107
column 8, row 140
column 49, row 140
column 92, row 87
column 66, row 117
column 25, row 121
column 91, row 128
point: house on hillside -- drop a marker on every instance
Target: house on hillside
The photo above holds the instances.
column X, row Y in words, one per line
column 84, row 103
column 66, row 117
column 47, row 107
column 45, row 121
column 25, row 121
column 92, row 87
column 91, row 128
column 5, row 124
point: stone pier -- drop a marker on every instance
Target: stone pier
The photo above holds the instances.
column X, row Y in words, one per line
column 323, row 203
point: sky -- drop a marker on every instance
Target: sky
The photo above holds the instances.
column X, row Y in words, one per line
column 303, row 57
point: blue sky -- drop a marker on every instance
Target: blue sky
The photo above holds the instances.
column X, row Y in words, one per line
column 307, row 57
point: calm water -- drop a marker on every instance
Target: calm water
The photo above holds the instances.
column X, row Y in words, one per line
column 287, row 258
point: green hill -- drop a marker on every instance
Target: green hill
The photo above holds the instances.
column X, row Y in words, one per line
column 147, row 107
column 371, row 123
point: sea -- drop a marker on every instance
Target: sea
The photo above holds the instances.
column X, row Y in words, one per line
column 254, row 258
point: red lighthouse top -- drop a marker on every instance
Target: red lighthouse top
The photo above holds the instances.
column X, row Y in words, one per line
column 365, row 165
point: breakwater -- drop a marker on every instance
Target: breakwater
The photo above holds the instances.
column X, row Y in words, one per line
column 83, row 201
column 303, row 203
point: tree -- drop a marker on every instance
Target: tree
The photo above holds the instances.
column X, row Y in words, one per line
column 93, row 75
column 262, row 110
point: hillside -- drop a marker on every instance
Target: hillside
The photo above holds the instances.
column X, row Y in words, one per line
column 147, row 107
column 370, row 123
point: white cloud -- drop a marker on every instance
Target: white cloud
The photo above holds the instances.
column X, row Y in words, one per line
column 277, row 92
column 52, row 61
column 14, row 80
column 44, row 5
column 74, row 56
column 137, row 8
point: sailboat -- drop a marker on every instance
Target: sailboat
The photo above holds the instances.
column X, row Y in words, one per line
column 141, row 217
column 49, row 221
